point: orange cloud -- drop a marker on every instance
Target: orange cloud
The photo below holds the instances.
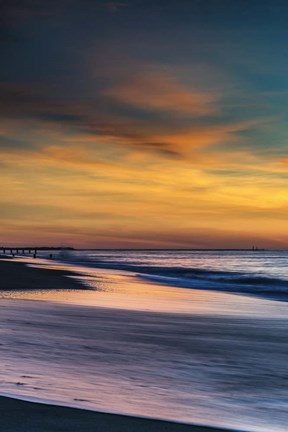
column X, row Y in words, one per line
column 156, row 91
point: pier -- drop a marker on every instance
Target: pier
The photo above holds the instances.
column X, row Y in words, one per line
column 28, row 250
column 19, row 251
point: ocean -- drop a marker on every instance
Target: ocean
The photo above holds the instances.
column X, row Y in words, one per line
column 190, row 336
column 263, row 273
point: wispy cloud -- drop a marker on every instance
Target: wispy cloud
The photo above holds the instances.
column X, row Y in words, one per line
column 37, row 119
column 155, row 91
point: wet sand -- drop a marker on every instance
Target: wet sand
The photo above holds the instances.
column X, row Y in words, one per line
column 20, row 416
column 205, row 369
column 15, row 275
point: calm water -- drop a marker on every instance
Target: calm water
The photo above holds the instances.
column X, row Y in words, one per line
column 132, row 345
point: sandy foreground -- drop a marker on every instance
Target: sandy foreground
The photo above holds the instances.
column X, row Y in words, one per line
column 44, row 344
column 22, row 416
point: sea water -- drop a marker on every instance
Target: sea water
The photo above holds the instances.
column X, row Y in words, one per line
column 263, row 273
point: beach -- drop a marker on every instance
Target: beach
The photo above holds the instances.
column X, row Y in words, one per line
column 20, row 416
column 143, row 216
column 17, row 276
column 218, row 361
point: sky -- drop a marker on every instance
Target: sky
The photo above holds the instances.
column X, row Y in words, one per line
column 144, row 124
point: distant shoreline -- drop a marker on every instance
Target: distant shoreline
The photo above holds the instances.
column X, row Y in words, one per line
column 72, row 249
column 184, row 250
column 56, row 248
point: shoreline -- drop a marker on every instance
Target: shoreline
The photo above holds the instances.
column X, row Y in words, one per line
column 34, row 278
column 72, row 278
column 47, row 351
column 19, row 415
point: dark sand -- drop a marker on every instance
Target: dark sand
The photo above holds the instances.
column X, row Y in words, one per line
column 20, row 416
column 15, row 275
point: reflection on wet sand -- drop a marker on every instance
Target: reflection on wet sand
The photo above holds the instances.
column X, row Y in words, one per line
column 125, row 345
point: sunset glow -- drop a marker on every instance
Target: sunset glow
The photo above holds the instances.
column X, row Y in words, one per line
column 144, row 124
